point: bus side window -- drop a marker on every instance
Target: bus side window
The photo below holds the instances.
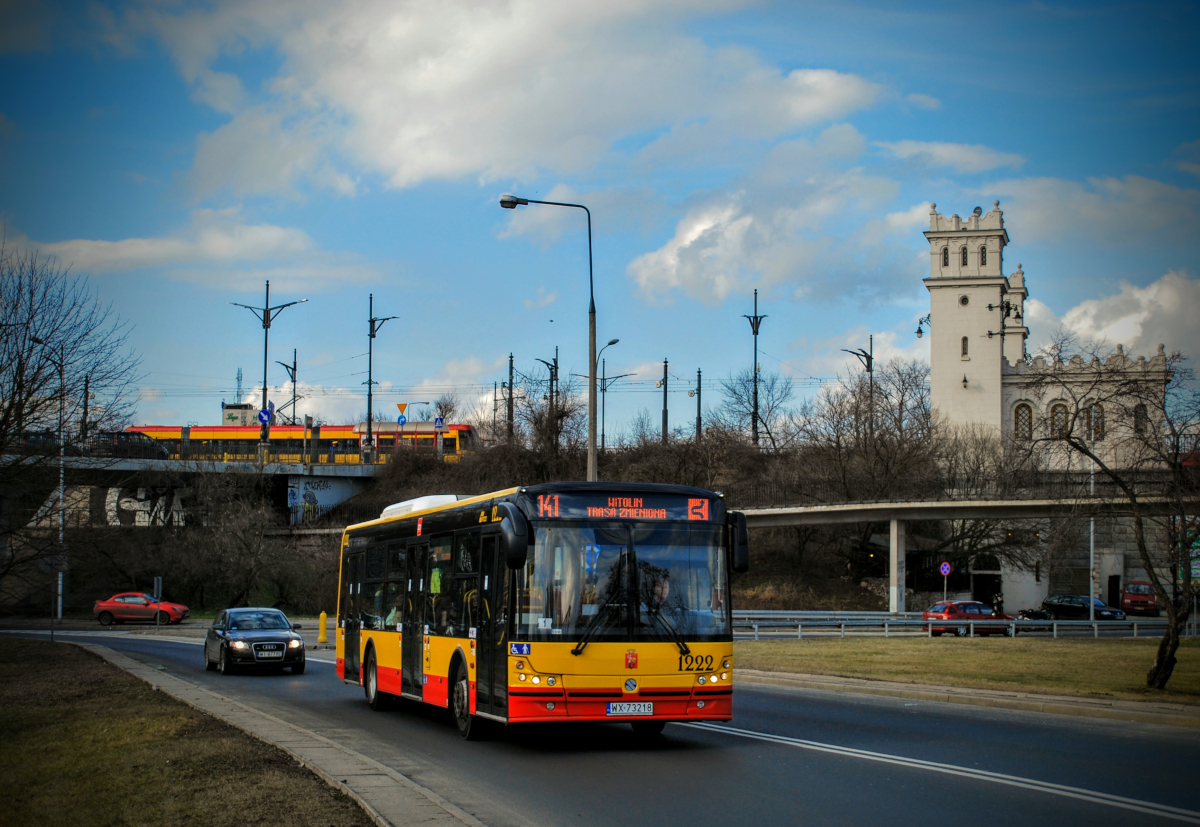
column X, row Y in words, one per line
column 464, row 598
column 439, row 583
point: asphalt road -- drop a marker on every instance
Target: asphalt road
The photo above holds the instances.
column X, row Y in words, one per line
column 796, row 757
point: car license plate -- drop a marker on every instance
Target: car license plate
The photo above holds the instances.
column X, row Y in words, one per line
column 643, row 708
column 271, row 654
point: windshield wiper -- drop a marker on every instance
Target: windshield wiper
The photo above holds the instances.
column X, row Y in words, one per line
column 673, row 632
column 594, row 626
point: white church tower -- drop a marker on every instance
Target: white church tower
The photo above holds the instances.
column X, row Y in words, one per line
column 976, row 315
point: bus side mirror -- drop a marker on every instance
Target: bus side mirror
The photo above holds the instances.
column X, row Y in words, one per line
column 739, row 542
column 514, row 534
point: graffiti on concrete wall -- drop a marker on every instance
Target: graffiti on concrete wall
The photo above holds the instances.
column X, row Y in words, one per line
column 144, row 507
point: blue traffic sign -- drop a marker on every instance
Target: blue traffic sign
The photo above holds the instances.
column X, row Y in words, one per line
column 401, row 419
column 944, row 569
column 264, row 417
column 439, row 423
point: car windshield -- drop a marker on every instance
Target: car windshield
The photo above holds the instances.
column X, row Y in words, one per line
column 256, row 621
column 1096, row 601
column 1139, row 588
column 150, row 597
column 622, row 582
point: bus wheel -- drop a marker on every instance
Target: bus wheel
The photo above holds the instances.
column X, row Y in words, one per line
column 647, row 729
column 375, row 699
column 469, row 727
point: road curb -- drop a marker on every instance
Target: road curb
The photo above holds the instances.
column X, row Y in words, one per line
column 1023, row 702
column 397, row 804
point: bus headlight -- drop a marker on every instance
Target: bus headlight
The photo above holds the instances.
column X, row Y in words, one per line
column 536, row 680
column 521, row 676
column 723, row 676
column 702, row 679
column 726, row 664
column 713, row 678
column 549, row 681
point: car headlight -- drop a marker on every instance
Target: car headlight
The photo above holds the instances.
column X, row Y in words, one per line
column 295, row 644
column 238, row 644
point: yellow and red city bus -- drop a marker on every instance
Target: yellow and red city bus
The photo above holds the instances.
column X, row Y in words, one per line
column 566, row 601
column 291, row 443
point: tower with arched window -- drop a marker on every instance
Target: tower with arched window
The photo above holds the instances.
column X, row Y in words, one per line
column 977, row 313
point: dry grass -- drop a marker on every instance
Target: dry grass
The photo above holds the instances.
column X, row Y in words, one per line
column 1111, row 668
column 830, row 596
column 82, row 742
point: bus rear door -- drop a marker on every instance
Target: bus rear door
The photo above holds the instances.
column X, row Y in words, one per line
column 351, row 598
column 412, row 669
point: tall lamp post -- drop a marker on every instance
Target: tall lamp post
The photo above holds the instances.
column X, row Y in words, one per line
column 511, row 202
column 604, row 380
column 375, row 324
column 755, row 322
column 696, row 393
column 267, row 314
column 867, row 357
column 61, row 557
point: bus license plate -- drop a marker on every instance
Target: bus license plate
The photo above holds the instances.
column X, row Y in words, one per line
column 631, row 709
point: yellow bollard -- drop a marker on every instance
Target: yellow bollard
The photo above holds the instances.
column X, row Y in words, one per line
column 321, row 637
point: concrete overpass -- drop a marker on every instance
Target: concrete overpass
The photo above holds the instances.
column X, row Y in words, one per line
column 900, row 513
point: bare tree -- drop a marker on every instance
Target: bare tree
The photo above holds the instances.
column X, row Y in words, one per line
column 447, row 406
column 775, row 392
column 62, row 353
column 1135, row 426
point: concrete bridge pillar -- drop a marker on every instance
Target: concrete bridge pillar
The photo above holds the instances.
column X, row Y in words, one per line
column 896, row 568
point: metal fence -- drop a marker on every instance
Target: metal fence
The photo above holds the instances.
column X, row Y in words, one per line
column 864, row 624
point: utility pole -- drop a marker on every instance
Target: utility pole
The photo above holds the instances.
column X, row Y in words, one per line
column 266, row 314
column 291, row 372
column 510, row 399
column 83, row 425
column 239, row 381
column 696, row 393
column 494, row 406
column 664, row 433
column 374, row 325
column 867, row 357
column 755, row 322
column 550, row 396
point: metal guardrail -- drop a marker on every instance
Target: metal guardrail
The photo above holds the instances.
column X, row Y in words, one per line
column 897, row 623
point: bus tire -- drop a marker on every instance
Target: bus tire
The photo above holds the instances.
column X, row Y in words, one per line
column 375, row 699
column 647, row 729
column 469, row 726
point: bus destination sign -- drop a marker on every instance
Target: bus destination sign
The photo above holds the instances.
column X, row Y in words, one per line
column 622, row 507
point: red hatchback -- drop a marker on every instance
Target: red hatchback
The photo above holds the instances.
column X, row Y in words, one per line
column 138, row 606
column 961, row 614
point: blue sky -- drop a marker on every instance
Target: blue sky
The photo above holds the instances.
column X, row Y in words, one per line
column 181, row 153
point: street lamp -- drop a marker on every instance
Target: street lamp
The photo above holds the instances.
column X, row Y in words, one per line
column 60, row 561
column 867, row 357
column 267, row 315
column 755, row 322
column 604, row 380
column 511, row 202
column 374, row 323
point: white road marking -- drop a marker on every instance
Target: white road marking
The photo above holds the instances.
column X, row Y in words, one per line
column 1091, row 796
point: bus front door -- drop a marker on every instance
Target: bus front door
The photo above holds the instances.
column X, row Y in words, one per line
column 351, row 623
column 491, row 678
column 412, row 669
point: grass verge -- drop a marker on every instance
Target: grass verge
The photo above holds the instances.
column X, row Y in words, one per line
column 82, row 742
column 1104, row 668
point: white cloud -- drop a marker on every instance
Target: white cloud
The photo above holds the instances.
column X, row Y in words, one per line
column 1129, row 210
column 923, row 101
column 1140, row 318
column 217, row 249
column 543, row 298
column 788, row 222
column 423, row 90
column 965, row 158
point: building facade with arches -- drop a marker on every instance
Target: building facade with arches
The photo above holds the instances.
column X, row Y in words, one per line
column 981, row 376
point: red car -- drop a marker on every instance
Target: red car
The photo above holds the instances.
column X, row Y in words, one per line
column 962, row 613
column 138, row 606
column 1139, row 598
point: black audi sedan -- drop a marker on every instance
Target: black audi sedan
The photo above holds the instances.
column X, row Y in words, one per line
column 253, row 638
column 1075, row 607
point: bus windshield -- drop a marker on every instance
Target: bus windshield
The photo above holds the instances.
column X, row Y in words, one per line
column 624, row 582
